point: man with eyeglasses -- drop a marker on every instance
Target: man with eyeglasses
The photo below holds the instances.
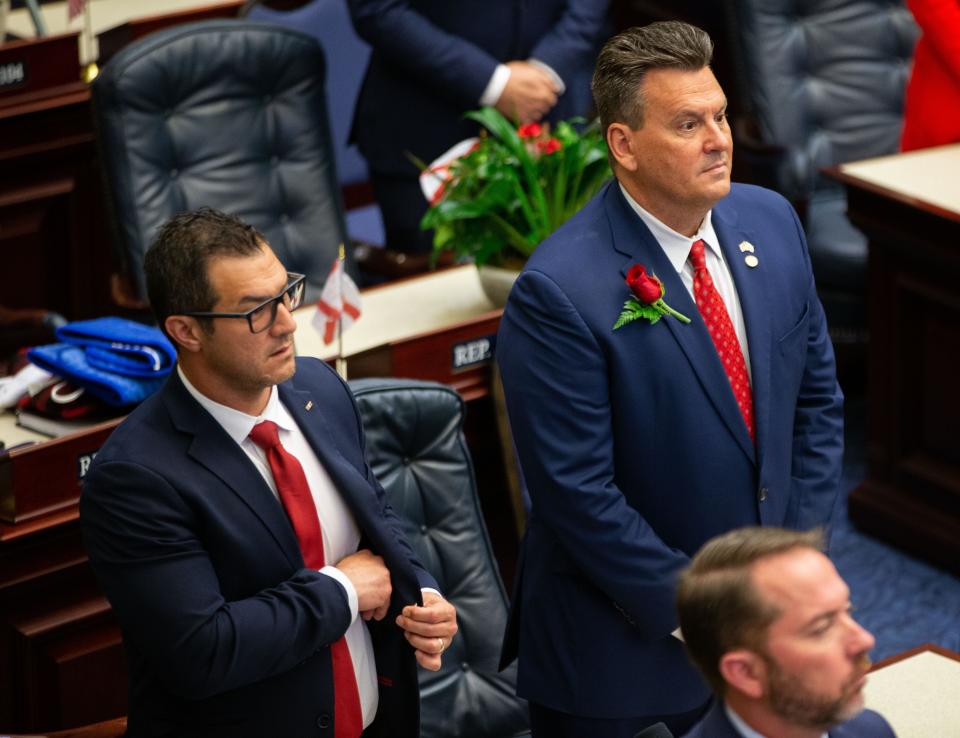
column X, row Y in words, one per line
column 261, row 581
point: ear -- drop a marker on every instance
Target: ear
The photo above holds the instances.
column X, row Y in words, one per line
column 185, row 332
column 745, row 672
column 620, row 143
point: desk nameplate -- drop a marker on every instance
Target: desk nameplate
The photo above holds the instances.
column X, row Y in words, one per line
column 37, row 67
column 44, row 477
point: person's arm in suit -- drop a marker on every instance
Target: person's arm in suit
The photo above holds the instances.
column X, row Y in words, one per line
column 555, row 380
column 142, row 539
column 456, row 69
column 571, row 44
column 818, row 421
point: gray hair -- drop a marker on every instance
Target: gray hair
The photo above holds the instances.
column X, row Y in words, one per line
column 627, row 57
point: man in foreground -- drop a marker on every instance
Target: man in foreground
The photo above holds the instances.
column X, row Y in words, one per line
column 262, row 583
column 638, row 444
column 766, row 619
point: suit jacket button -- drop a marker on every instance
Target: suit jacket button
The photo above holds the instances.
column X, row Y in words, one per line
column 762, row 494
column 323, row 721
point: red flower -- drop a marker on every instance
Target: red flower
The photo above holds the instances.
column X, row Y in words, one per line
column 549, row 146
column 647, row 288
column 530, row 130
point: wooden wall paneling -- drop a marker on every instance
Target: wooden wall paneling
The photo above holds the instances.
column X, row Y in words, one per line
column 52, row 226
column 55, row 626
column 83, row 673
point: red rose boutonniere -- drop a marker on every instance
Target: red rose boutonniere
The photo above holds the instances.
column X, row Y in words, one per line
column 647, row 301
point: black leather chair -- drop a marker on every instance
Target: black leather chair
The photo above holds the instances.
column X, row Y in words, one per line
column 416, row 449
column 347, row 54
column 819, row 83
column 229, row 114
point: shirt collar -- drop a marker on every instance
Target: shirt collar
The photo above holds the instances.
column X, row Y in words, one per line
column 675, row 245
column 741, row 727
column 238, row 424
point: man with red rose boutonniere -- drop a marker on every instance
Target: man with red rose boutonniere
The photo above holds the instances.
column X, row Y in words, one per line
column 668, row 377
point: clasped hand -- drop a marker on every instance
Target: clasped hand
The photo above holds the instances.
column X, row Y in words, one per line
column 428, row 628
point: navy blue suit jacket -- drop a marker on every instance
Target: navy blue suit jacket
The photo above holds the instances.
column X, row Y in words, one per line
column 867, row 724
column 634, row 451
column 432, row 60
column 226, row 631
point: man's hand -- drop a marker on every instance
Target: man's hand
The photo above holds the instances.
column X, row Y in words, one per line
column 429, row 629
column 371, row 578
column 529, row 95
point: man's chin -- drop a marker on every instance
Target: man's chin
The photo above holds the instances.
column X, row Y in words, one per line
column 854, row 705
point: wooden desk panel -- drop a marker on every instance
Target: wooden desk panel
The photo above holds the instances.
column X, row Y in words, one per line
column 911, row 495
column 53, row 238
column 916, row 691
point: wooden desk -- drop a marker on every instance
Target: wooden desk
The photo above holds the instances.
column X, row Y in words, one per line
column 909, row 207
column 430, row 327
column 918, row 692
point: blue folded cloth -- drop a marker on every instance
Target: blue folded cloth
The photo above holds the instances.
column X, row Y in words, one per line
column 70, row 362
column 121, row 346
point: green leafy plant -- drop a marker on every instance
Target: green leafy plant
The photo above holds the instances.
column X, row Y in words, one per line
column 515, row 187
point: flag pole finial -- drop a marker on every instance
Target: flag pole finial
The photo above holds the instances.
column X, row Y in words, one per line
column 341, row 361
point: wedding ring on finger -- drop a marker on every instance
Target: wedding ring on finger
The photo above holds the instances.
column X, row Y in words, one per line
column 441, row 645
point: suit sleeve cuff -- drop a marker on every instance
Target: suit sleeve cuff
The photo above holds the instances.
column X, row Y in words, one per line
column 334, row 573
column 498, row 81
column 557, row 79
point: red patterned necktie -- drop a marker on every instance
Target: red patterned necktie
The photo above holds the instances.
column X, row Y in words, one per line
column 724, row 337
column 295, row 495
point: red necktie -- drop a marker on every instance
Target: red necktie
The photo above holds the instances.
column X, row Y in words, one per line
column 295, row 495
column 724, row 337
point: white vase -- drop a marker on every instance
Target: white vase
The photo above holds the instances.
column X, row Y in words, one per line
column 497, row 282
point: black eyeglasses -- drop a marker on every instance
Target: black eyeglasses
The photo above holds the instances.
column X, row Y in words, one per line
column 264, row 315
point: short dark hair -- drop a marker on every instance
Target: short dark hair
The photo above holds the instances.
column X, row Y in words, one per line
column 718, row 606
column 627, row 57
column 176, row 264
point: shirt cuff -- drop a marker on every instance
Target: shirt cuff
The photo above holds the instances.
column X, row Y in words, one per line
column 498, row 80
column 431, row 589
column 334, row 573
column 557, row 79
column 678, row 635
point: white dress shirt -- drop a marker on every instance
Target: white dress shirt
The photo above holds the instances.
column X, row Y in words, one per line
column 341, row 536
column 741, row 727
column 677, row 248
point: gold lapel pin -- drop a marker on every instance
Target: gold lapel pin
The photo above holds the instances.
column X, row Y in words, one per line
column 309, row 405
column 746, row 246
column 751, row 260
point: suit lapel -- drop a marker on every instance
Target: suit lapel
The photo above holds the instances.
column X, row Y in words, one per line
column 634, row 241
column 352, row 485
column 215, row 450
column 752, row 289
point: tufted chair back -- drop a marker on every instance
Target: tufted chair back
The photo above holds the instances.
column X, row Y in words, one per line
column 228, row 114
column 347, row 54
column 416, row 449
column 819, row 83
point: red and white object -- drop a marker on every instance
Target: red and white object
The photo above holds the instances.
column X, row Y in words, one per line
column 339, row 303
column 433, row 179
